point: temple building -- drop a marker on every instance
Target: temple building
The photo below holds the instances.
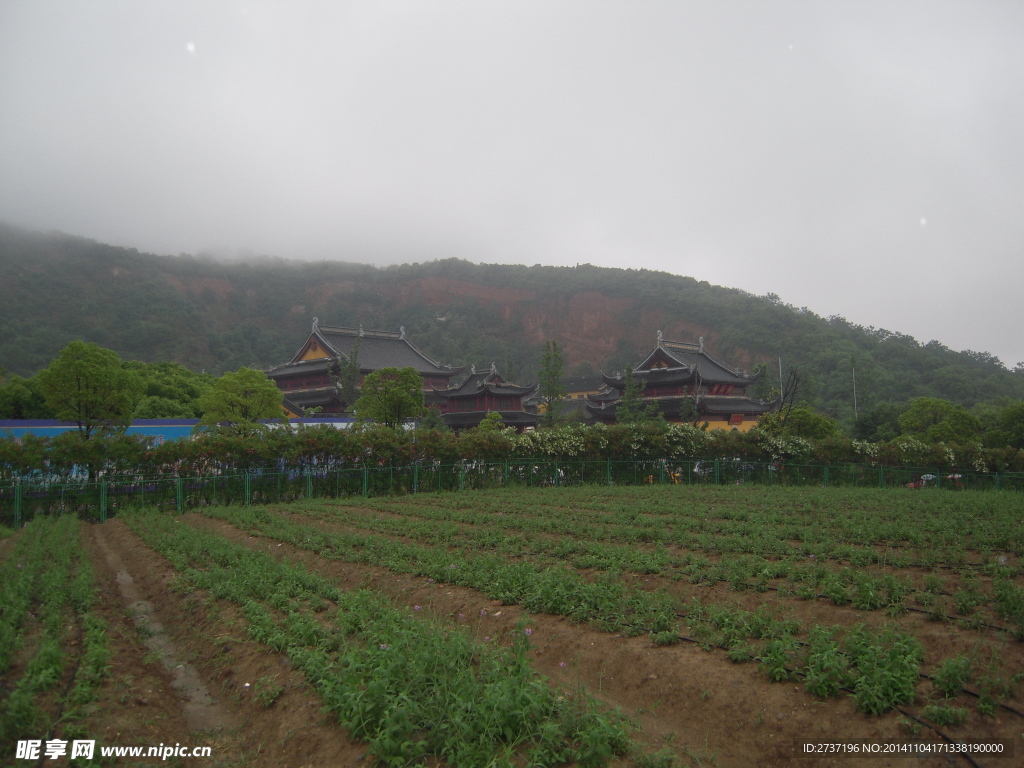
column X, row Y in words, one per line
column 465, row 406
column 688, row 385
column 309, row 379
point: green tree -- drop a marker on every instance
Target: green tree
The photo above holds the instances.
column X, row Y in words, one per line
column 169, row 390
column 21, row 399
column 763, row 389
column 432, row 419
column 86, row 384
column 391, row 396
column 237, row 401
column 631, row 408
column 802, row 421
column 1008, row 429
column 151, row 407
column 552, row 388
column 879, row 424
column 492, row 422
column 348, row 377
column 939, row 421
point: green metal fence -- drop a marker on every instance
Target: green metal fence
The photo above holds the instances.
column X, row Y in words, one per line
column 21, row 501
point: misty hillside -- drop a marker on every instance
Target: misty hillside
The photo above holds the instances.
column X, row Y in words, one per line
column 217, row 316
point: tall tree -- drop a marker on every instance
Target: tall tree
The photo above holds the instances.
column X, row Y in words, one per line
column 391, row 396
column 552, row 388
column 631, row 408
column 939, row 421
column 348, row 377
column 21, row 399
column 86, row 384
column 237, row 401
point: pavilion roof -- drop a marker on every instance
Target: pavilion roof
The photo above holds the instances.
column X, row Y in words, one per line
column 481, row 381
column 377, row 349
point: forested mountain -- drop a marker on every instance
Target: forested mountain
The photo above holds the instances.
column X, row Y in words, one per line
column 217, row 316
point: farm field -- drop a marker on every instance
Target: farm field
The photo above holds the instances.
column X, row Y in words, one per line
column 649, row 626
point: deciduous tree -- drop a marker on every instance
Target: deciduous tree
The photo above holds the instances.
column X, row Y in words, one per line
column 552, row 388
column 631, row 408
column 391, row 396
column 939, row 421
column 86, row 384
column 237, row 401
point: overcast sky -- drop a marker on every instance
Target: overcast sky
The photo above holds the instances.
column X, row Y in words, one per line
column 857, row 158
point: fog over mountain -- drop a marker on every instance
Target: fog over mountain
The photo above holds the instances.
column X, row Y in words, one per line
column 859, row 159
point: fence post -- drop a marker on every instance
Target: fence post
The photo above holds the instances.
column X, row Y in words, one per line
column 881, row 477
column 103, row 501
column 556, row 478
column 179, row 496
column 608, row 471
column 661, row 472
column 248, row 489
column 826, row 474
column 462, row 475
column 17, row 503
column 309, row 483
column 505, row 480
column 718, row 477
column 366, row 482
column 415, row 478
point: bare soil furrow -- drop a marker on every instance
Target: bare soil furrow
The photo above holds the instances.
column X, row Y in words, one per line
column 209, row 636
column 712, row 712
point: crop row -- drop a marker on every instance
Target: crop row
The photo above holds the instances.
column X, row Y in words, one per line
column 410, row 686
column 47, row 596
column 874, row 667
column 806, row 578
column 854, row 524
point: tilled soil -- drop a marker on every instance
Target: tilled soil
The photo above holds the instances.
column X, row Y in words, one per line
column 712, row 712
column 199, row 684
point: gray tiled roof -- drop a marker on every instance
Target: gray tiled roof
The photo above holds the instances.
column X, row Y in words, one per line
column 380, row 349
column 489, row 380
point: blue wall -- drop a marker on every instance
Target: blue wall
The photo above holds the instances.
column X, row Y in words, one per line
column 161, row 429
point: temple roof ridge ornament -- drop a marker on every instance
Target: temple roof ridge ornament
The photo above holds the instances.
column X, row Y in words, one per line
column 701, row 340
column 316, row 324
column 660, row 338
column 401, row 331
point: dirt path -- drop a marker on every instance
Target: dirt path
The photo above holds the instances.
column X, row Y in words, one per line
column 712, row 712
column 200, row 711
column 215, row 673
column 137, row 704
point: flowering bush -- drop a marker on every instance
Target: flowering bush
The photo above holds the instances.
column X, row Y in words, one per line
column 327, row 448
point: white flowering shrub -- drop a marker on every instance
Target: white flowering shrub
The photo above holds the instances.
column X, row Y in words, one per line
column 865, row 450
column 784, row 448
column 685, row 441
column 911, row 451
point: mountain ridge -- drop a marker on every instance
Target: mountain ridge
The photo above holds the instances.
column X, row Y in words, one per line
column 216, row 316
